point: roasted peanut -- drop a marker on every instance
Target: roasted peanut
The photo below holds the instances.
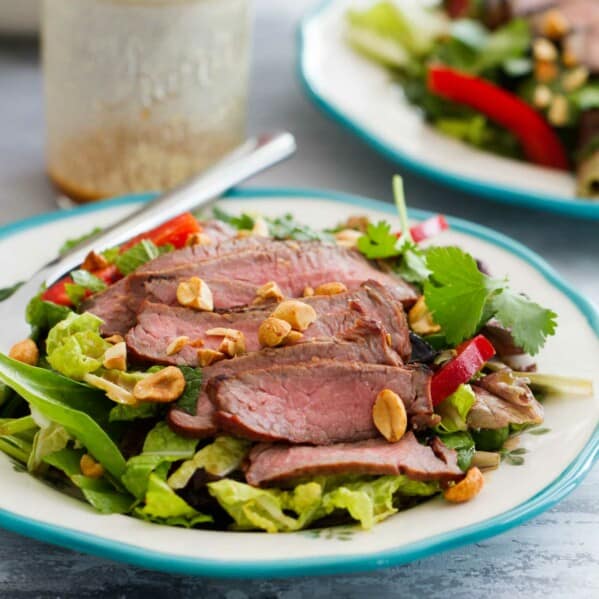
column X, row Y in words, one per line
column 206, row 357
column 348, row 238
column 308, row 292
column 332, row 288
column 298, row 314
column 358, row 222
column 559, row 111
column 545, row 71
column 554, row 24
column 467, row 488
column 198, row 239
column 197, row 343
column 113, row 391
column 268, row 291
column 389, row 415
column 176, row 345
column 94, row 261
column 116, row 357
column 114, row 339
column 195, row 293
column 421, row 320
column 223, row 332
column 25, row 351
column 544, row 50
column 260, row 228
column 575, row 79
column 233, row 345
column 293, row 337
column 273, row 331
column 163, row 386
column 542, row 96
column 89, row 467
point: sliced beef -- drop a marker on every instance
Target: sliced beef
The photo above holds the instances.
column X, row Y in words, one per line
column 501, row 399
column 318, row 403
column 293, row 265
column 159, row 324
column 273, row 463
column 367, row 343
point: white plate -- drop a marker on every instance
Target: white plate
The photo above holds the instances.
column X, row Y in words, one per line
column 554, row 464
column 362, row 96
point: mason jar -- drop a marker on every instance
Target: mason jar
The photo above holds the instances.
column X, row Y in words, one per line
column 141, row 94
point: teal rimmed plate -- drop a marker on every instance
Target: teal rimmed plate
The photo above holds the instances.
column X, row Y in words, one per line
column 362, row 96
column 554, row 464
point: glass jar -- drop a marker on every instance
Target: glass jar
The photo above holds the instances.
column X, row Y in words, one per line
column 141, row 94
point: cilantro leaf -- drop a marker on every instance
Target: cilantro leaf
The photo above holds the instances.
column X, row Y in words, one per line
column 412, row 267
column 83, row 281
column 286, row 227
column 457, row 293
column 378, row 242
column 243, row 223
column 6, row 292
column 139, row 254
column 193, row 384
column 69, row 244
column 530, row 323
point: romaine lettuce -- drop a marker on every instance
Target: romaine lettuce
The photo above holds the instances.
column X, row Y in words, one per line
column 454, row 410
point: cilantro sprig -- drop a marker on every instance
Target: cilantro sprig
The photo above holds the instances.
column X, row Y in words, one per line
column 462, row 299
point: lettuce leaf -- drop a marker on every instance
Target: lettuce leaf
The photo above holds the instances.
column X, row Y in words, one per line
column 139, row 254
column 463, row 443
column 219, row 458
column 454, row 410
column 164, row 506
column 42, row 315
column 161, row 446
column 367, row 500
column 47, row 440
column 75, row 346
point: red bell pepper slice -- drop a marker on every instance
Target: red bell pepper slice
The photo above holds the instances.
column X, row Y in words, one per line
column 429, row 228
column 174, row 231
column 471, row 357
column 57, row 293
column 540, row 143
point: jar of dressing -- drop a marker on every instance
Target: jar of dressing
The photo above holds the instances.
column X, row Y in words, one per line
column 141, row 94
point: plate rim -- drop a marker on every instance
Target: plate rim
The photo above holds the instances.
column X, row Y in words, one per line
column 569, row 479
column 572, row 206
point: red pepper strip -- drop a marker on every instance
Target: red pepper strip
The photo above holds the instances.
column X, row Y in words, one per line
column 540, row 143
column 429, row 228
column 175, row 231
column 471, row 357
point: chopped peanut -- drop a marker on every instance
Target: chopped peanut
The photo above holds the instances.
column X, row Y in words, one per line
column 358, row 222
column 114, row 339
column 559, row 111
column 333, row 288
column 223, row 332
column 293, row 337
column 545, row 71
column 298, row 314
column 243, row 233
column 308, row 292
column 116, row 357
column 270, row 290
column 206, row 357
column 348, row 238
column 232, row 346
column 195, row 293
column 389, row 415
column 554, row 24
column 113, row 391
column 467, row 488
column 569, row 57
column 542, row 96
column 25, row 351
column 198, row 239
column 197, row 343
column 575, row 79
column 388, row 339
column 421, row 320
column 273, row 331
column 89, row 467
column 94, row 261
column 544, row 50
column 260, row 228
column 176, row 345
column 163, row 386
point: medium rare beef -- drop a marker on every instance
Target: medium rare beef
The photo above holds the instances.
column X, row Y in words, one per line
column 317, row 403
column 159, row 324
column 273, row 463
column 293, row 265
column 367, row 342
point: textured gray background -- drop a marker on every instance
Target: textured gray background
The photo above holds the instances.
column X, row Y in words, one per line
column 554, row 555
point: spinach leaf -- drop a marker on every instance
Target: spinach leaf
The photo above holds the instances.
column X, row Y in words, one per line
column 81, row 410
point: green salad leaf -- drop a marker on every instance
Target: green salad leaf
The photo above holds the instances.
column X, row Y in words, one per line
column 463, row 443
column 286, row 227
column 46, row 441
column 69, row 244
column 454, row 410
column 139, row 254
column 83, row 281
column 100, row 493
column 379, row 242
column 193, row 385
column 244, row 222
column 81, row 410
column 42, row 315
column 220, row 458
column 125, row 413
column 6, row 292
column 75, row 346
